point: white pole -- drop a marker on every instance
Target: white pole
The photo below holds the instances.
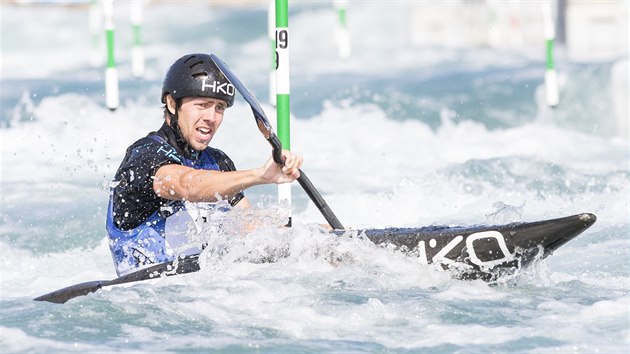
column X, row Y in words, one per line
column 342, row 35
column 137, row 53
column 551, row 77
column 111, row 74
column 283, row 91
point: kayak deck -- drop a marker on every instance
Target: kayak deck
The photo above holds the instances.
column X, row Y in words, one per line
column 485, row 252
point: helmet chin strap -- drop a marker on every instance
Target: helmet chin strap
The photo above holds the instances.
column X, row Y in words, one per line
column 173, row 118
column 181, row 142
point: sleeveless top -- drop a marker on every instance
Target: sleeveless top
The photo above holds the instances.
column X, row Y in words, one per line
column 137, row 217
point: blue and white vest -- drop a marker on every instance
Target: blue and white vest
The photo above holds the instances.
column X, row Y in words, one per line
column 148, row 244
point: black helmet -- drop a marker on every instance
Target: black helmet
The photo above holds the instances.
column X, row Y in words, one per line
column 196, row 75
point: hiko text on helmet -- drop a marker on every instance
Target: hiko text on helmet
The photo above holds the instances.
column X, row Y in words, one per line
column 217, row 87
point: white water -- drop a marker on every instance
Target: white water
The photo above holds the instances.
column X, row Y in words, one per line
column 397, row 136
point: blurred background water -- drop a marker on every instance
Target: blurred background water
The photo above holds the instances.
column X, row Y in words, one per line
column 438, row 116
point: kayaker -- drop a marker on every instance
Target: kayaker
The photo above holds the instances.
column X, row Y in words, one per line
column 163, row 174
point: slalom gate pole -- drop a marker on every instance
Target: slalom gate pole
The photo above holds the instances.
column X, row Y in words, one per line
column 283, row 91
column 271, row 32
column 111, row 74
column 551, row 76
column 137, row 52
column 342, row 35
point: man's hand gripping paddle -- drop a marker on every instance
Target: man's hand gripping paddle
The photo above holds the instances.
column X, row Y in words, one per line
column 272, row 138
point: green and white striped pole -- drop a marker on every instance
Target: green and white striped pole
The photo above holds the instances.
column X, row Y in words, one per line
column 342, row 35
column 551, row 77
column 271, row 32
column 96, row 57
column 283, row 90
column 137, row 53
column 111, row 74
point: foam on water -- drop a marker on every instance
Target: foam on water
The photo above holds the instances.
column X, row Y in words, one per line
column 380, row 144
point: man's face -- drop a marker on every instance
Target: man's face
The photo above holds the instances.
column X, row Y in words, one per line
column 199, row 118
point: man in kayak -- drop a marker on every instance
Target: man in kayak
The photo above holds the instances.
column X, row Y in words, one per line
column 166, row 171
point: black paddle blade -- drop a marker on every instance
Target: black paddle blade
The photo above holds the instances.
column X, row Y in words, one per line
column 181, row 266
column 62, row 295
column 259, row 114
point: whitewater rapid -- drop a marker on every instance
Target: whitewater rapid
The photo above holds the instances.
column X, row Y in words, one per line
column 396, row 136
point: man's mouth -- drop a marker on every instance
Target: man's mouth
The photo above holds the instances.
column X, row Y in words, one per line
column 204, row 134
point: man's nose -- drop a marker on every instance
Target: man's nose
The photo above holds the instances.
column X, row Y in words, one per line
column 210, row 114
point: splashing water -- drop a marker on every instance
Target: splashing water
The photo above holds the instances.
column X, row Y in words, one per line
column 395, row 136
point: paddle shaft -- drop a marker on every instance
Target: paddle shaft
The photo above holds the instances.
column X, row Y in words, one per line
column 307, row 185
column 319, row 201
column 272, row 138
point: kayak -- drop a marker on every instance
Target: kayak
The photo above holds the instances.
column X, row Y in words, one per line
column 485, row 252
column 468, row 252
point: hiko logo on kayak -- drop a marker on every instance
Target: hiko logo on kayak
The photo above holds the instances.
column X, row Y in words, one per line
column 500, row 252
column 225, row 88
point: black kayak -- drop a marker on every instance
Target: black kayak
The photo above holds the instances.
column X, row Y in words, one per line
column 485, row 252
column 471, row 252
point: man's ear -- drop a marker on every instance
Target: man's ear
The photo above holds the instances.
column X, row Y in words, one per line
column 170, row 103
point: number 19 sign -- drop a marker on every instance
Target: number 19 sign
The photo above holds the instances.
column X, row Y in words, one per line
column 283, row 90
column 282, row 71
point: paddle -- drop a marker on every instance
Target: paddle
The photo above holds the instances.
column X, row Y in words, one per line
column 185, row 265
column 190, row 264
column 272, row 138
